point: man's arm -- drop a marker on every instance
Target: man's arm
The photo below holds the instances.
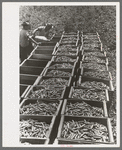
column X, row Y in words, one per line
column 34, row 31
column 41, row 38
column 31, row 39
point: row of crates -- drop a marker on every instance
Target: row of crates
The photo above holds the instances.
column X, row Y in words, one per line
column 72, row 114
column 56, row 86
column 32, row 67
column 30, row 71
column 36, row 86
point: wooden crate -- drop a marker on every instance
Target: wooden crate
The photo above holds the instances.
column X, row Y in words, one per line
column 64, row 38
column 45, row 47
column 41, row 57
column 53, row 63
column 70, row 34
column 94, row 44
column 91, row 103
column 28, row 79
column 35, row 140
column 76, row 58
column 87, row 48
column 48, row 43
column 71, row 71
column 74, row 49
column 90, row 37
column 83, row 70
column 47, row 101
column 35, row 63
column 69, row 79
column 31, row 70
column 46, row 52
column 88, row 41
column 44, row 57
column 84, row 79
column 65, row 35
column 73, row 53
column 104, row 121
column 93, row 65
column 37, row 87
column 83, row 88
column 75, row 42
column 90, row 33
column 103, row 54
column 90, row 61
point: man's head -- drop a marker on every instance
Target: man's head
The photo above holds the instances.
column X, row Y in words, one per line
column 48, row 27
column 26, row 25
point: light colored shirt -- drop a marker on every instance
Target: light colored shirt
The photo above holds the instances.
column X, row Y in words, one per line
column 40, row 31
column 24, row 38
column 41, row 38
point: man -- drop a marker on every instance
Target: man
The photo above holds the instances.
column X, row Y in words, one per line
column 24, row 41
column 41, row 33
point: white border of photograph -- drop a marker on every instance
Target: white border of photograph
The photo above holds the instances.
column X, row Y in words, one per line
column 10, row 73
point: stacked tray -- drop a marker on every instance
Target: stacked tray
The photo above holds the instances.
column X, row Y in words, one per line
column 36, row 129
column 65, row 58
column 34, row 66
column 66, row 50
column 96, row 74
column 43, row 104
column 66, row 53
column 45, row 52
column 84, row 114
column 94, row 59
column 83, row 108
column 70, row 38
column 94, row 83
column 28, row 79
column 40, row 105
column 40, row 53
column 59, row 65
column 35, row 63
column 68, row 101
column 94, row 66
column 59, row 72
column 30, row 70
column 79, row 92
column 84, row 130
column 55, row 81
column 43, row 92
column 94, row 53
column 64, row 65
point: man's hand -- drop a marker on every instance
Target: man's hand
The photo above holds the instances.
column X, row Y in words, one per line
column 48, row 40
column 52, row 37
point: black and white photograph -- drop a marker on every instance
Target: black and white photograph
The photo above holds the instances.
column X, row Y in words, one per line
column 66, row 74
